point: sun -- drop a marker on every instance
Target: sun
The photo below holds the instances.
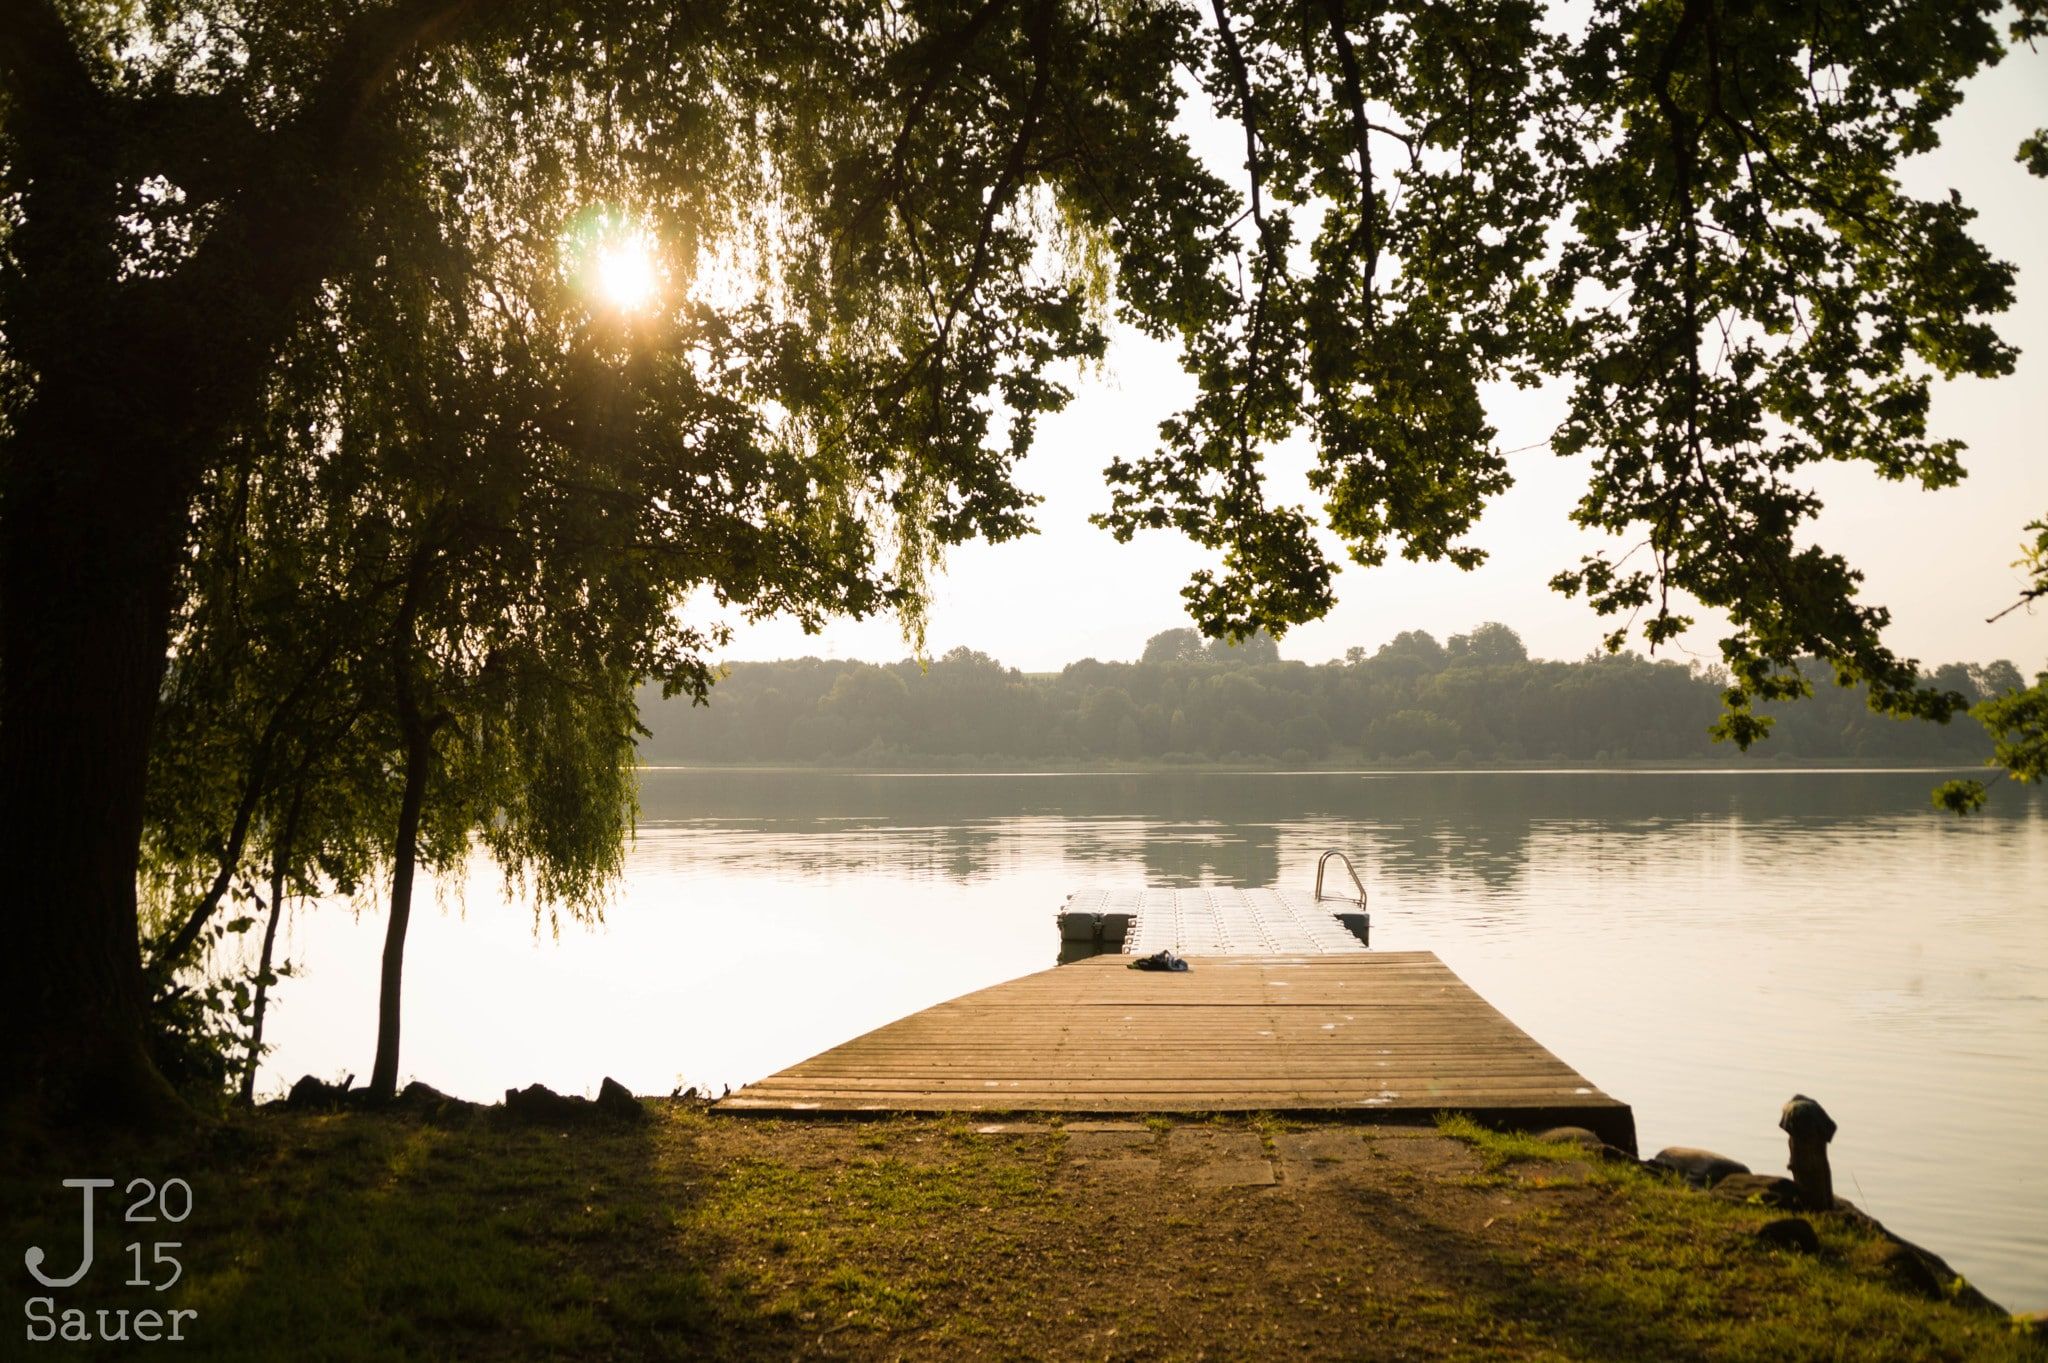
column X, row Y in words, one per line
column 625, row 272
column 615, row 260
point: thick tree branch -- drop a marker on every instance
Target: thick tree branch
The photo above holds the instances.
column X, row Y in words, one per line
column 373, row 49
column 1012, row 173
column 44, row 77
column 254, row 787
column 944, row 53
column 1365, row 234
column 930, row 358
column 293, row 196
column 1242, row 475
column 1684, row 170
column 200, row 141
column 1247, row 114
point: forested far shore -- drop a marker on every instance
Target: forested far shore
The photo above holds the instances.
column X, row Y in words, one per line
column 1476, row 698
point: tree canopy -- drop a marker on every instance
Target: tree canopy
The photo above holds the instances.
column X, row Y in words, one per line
column 381, row 252
column 1187, row 646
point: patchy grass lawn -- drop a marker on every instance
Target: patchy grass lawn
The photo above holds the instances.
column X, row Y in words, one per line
column 700, row 1236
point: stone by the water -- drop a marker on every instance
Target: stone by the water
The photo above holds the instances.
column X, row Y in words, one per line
column 1700, row 1168
column 1767, row 1189
column 1909, row 1269
column 317, row 1095
column 616, row 1100
column 1588, row 1140
column 539, row 1103
column 1569, row 1135
column 1790, row 1232
column 1927, row 1274
column 430, row 1102
column 1918, row 1269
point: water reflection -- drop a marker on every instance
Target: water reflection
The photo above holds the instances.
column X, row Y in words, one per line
column 1701, row 945
column 1237, row 829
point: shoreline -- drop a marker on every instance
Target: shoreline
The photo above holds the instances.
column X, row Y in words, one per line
column 1832, row 767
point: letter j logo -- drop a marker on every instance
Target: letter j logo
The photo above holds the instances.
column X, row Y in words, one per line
column 35, row 1256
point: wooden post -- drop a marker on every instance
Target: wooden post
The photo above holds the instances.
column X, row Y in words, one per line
column 1809, row 1129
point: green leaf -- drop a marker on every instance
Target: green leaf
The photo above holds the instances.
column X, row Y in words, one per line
column 1960, row 797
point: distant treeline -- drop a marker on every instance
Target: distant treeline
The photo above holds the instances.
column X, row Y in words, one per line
column 1478, row 698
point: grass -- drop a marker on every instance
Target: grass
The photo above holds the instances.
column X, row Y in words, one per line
column 702, row 1236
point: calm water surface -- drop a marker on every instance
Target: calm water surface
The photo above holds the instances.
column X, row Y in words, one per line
column 1699, row 945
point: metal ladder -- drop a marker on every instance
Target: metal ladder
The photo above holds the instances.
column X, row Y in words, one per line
column 1357, row 920
column 1350, row 870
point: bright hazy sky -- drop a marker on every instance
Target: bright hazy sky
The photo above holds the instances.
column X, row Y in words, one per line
column 1939, row 560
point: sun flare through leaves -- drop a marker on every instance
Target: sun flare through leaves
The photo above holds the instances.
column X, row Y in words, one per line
column 616, row 260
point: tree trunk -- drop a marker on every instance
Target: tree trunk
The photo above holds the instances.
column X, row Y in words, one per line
column 135, row 392
column 248, row 1093
column 280, row 859
column 405, row 853
column 132, row 389
column 418, row 734
column 88, row 548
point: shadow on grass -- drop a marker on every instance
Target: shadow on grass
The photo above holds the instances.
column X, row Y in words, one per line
column 360, row 1236
column 1654, row 1272
column 690, row 1236
column 1486, row 1296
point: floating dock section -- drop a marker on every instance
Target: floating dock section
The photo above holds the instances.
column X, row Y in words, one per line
column 1265, row 1024
column 1219, row 921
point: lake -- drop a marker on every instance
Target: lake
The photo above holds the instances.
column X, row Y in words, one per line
column 1701, row 945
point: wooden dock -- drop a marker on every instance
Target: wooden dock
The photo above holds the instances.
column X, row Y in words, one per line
column 1391, row 1036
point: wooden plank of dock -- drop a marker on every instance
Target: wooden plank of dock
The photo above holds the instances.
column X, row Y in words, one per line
column 1387, row 1035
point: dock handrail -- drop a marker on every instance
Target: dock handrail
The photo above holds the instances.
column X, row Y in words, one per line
column 1352, row 871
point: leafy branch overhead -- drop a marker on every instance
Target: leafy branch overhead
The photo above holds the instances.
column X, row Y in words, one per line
column 2016, row 717
column 1688, row 210
column 1759, row 295
column 1375, row 269
column 1740, row 288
